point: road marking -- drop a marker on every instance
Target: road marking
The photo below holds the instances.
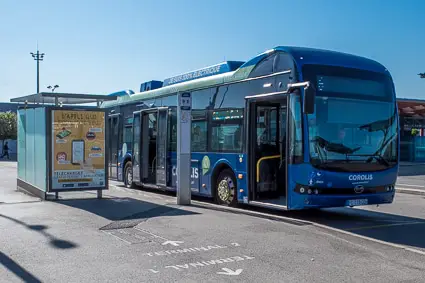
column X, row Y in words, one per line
column 410, row 191
column 173, row 243
column 407, row 185
column 230, row 272
column 153, row 271
column 185, row 250
column 117, row 237
column 235, row 244
column 180, row 267
column 384, row 225
column 152, row 234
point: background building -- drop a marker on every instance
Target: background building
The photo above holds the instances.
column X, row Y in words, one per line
column 412, row 129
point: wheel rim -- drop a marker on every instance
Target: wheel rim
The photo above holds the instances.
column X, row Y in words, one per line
column 129, row 177
column 224, row 190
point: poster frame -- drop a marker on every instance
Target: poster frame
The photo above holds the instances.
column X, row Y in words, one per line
column 49, row 155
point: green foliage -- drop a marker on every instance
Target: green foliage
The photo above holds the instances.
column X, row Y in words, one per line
column 414, row 132
column 8, row 125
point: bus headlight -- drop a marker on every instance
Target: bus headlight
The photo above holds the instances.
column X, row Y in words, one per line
column 309, row 191
column 302, row 190
column 316, row 191
column 390, row 188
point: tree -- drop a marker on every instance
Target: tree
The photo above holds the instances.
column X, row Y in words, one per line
column 8, row 126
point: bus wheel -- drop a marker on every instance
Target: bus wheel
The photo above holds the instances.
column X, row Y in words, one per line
column 225, row 191
column 128, row 175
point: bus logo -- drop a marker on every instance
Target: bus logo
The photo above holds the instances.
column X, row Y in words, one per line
column 206, row 164
column 359, row 189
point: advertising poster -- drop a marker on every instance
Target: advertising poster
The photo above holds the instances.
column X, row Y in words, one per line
column 78, row 149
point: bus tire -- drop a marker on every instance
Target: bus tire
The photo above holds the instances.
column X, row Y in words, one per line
column 128, row 175
column 226, row 188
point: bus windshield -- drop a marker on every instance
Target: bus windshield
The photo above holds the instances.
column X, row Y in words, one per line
column 354, row 126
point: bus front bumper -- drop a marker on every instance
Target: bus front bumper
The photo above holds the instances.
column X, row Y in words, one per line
column 318, row 201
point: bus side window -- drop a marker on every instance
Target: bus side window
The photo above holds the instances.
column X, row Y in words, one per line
column 128, row 136
column 226, row 137
column 295, row 130
column 283, row 62
column 264, row 68
column 172, row 130
column 199, row 136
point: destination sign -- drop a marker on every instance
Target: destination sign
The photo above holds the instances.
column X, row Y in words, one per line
column 205, row 72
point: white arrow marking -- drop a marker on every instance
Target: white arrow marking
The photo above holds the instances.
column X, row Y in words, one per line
column 173, row 243
column 228, row 271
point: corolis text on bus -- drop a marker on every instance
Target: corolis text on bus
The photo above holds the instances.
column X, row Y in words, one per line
column 194, row 172
column 361, row 177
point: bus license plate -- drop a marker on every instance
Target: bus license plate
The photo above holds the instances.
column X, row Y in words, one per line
column 356, row 202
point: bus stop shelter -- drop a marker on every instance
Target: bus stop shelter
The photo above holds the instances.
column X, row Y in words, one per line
column 62, row 143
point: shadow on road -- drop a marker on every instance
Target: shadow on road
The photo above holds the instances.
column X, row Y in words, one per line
column 16, row 269
column 54, row 242
column 396, row 229
column 117, row 209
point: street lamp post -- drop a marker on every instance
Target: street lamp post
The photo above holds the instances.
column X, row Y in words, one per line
column 53, row 87
column 38, row 57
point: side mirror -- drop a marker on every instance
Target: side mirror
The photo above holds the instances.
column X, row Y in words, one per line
column 309, row 99
column 309, row 95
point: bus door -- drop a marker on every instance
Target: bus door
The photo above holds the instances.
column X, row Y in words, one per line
column 114, row 133
column 267, row 117
column 136, row 146
column 154, row 138
column 161, row 147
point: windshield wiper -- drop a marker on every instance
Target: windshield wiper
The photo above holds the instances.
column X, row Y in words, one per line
column 380, row 125
column 378, row 158
column 382, row 160
column 334, row 147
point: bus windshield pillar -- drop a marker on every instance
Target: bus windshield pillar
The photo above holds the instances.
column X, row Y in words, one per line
column 184, row 121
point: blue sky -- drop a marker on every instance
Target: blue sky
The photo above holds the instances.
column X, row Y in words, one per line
column 95, row 46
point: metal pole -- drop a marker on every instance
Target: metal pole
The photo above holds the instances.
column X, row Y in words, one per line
column 38, row 57
column 184, row 121
column 38, row 72
column 99, row 194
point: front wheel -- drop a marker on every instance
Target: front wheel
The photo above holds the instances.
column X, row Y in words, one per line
column 128, row 175
column 225, row 191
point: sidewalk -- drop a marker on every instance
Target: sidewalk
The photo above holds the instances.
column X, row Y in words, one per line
column 411, row 178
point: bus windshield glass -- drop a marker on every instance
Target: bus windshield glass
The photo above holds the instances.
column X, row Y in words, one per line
column 354, row 126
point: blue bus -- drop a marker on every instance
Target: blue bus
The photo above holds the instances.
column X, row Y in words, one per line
column 293, row 128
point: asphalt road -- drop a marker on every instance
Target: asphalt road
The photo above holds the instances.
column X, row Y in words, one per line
column 140, row 236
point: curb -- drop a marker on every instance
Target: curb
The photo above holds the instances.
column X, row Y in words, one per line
column 410, row 191
column 237, row 210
